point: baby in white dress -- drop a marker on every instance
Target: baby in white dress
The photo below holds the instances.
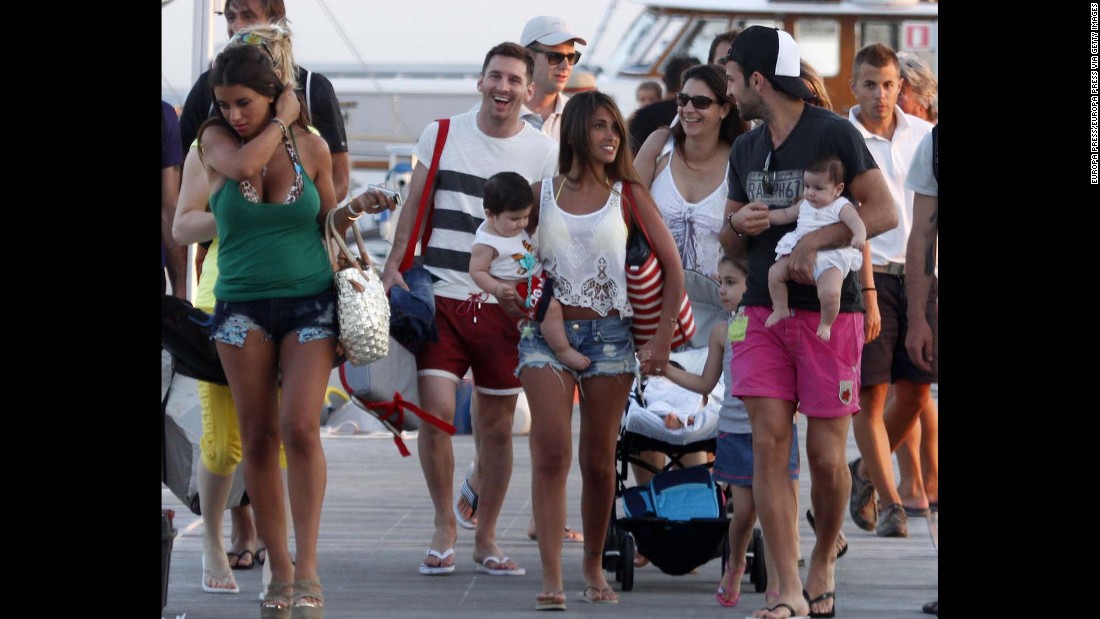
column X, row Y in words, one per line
column 823, row 182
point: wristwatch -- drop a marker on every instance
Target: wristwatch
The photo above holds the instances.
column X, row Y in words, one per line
column 729, row 221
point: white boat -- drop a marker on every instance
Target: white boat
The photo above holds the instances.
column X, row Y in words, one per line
column 829, row 32
column 386, row 107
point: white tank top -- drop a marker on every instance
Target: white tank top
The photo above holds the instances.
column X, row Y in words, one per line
column 694, row 226
column 585, row 254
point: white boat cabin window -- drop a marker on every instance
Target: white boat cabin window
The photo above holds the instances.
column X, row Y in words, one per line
column 819, row 42
column 649, row 37
column 699, row 37
column 872, row 32
column 922, row 41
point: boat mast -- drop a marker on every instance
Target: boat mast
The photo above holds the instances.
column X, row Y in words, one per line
column 203, row 26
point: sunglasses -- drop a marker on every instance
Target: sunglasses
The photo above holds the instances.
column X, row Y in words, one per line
column 555, row 58
column 251, row 38
column 699, row 101
column 769, row 176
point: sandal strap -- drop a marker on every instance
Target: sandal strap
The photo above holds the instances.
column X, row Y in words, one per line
column 308, row 589
column 278, row 595
column 469, row 494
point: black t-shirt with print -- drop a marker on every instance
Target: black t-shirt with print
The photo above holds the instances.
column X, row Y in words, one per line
column 817, row 132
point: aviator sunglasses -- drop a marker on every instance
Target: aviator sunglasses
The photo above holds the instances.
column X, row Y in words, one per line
column 555, row 58
column 699, row 101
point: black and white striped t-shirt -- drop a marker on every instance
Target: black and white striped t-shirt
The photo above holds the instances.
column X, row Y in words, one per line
column 469, row 158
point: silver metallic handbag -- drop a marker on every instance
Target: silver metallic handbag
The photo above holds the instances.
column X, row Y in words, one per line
column 362, row 308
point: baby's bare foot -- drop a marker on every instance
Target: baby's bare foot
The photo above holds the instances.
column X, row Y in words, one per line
column 777, row 315
column 672, row 422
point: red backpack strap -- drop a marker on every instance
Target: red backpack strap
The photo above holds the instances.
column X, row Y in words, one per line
column 425, row 196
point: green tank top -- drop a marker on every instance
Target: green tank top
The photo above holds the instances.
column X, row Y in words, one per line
column 269, row 250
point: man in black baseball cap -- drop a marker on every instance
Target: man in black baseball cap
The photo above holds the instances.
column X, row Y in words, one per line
column 772, row 53
column 772, row 375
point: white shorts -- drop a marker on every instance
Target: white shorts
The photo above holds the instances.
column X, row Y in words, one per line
column 846, row 259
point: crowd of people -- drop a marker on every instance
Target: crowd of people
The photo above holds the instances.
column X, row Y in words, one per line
column 819, row 235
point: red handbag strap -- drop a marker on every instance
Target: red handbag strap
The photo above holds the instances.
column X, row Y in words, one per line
column 425, row 195
column 385, row 410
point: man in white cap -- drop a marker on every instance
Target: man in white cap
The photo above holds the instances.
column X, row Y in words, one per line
column 551, row 41
column 779, row 370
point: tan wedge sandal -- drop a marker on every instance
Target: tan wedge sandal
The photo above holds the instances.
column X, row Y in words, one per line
column 276, row 602
column 305, row 590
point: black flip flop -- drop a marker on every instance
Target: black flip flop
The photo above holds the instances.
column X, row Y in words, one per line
column 235, row 559
column 821, row 598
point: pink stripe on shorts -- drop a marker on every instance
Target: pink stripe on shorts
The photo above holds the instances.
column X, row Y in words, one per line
column 789, row 362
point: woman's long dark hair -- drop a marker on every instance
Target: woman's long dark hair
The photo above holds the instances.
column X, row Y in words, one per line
column 578, row 112
column 249, row 66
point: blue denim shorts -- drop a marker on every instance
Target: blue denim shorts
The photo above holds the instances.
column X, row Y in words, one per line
column 733, row 458
column 606, row 341
column 313, row 317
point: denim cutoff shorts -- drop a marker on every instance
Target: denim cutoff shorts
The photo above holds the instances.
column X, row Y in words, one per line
column 313, row 317
column 606, row 341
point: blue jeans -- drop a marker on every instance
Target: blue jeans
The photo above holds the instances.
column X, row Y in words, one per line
column 412, row 311
column 606, row 341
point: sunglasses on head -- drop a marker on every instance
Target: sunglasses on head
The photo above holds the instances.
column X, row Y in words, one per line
column 555, row 58
column 699, row 101
column 251, row 38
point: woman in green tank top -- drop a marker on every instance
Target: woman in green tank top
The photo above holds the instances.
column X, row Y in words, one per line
column 271, row 188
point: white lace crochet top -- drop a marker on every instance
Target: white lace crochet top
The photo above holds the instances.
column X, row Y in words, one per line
column 585, row 254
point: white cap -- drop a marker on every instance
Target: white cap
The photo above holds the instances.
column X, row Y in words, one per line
column 548, row 30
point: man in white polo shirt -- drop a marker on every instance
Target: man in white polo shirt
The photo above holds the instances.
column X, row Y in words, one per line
column 892, row 137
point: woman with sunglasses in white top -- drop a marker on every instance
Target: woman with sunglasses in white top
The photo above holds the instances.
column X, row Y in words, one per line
column 685, row 166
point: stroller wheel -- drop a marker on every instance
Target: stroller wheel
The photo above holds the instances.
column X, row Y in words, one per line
column 626, row 560
column 758, row 573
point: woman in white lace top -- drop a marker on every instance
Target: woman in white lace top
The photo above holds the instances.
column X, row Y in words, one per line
column 578, row 221
column 685, row 166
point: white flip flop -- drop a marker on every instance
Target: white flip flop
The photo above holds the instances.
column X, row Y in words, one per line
column 433, row 570
column 228, row 579
column 484, row 568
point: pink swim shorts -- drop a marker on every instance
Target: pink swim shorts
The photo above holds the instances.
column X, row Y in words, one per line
column 789, row 362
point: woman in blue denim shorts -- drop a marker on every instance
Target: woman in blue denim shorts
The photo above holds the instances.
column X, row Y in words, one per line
column 274, row 320
column 581, row 228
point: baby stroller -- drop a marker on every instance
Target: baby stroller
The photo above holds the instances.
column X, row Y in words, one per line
column 678, row 521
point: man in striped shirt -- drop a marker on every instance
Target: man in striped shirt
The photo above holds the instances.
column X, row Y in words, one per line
column 474, row 330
